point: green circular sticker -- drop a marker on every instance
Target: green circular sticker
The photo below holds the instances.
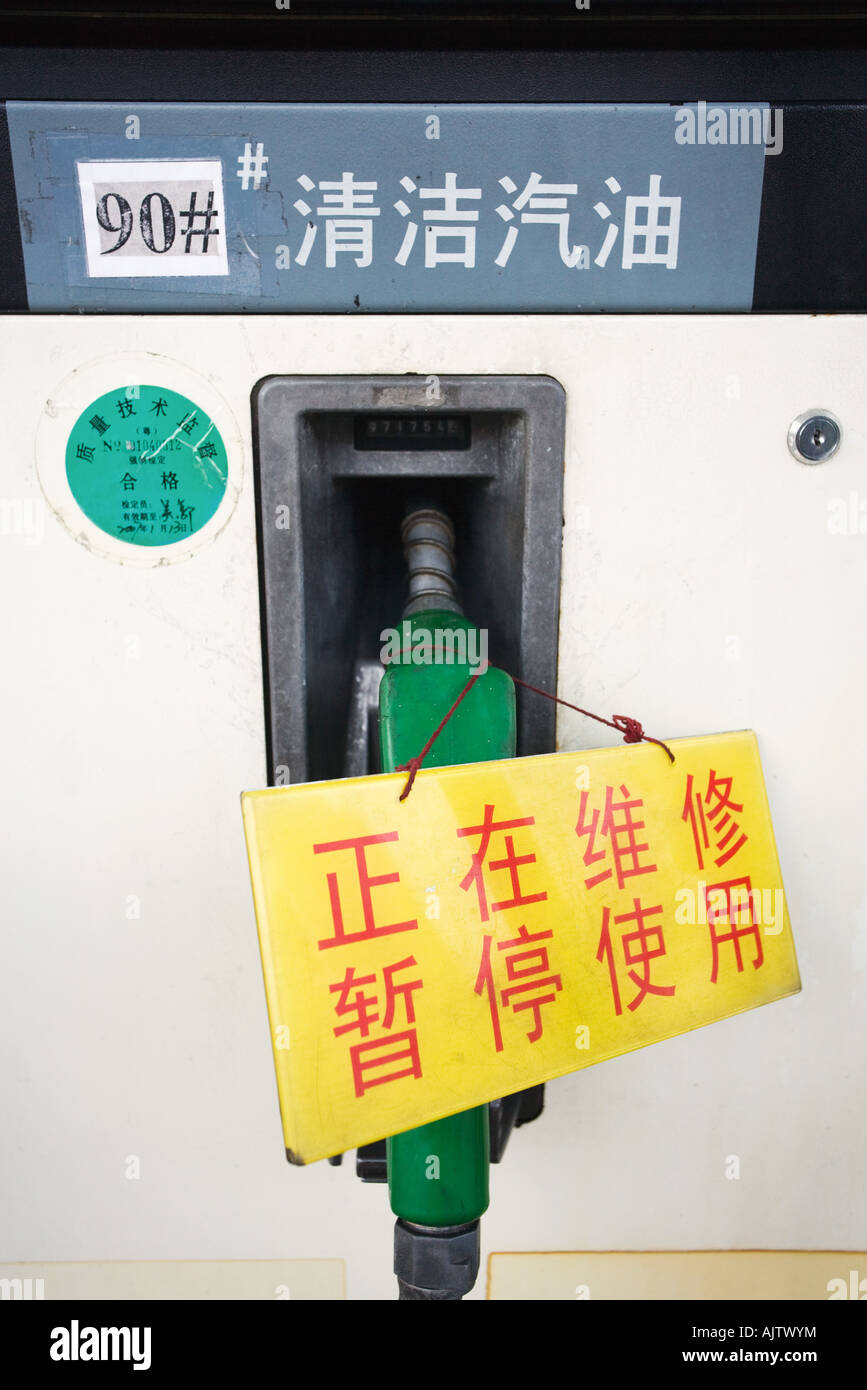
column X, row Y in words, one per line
column 146, row 465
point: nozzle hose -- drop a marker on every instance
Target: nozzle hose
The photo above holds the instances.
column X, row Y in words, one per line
column 429, row 549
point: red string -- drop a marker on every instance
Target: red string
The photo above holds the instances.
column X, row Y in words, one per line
column 630, row 728
column 414, row 764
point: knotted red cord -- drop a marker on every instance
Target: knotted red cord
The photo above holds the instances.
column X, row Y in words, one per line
column 630, row 728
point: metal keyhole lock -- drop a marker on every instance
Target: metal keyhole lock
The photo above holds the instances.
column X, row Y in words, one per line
column 814, row 437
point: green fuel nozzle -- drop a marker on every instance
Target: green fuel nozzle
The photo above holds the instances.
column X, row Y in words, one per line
column 438, row 1173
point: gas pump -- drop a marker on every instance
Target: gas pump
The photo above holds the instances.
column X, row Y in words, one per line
column 520, row 332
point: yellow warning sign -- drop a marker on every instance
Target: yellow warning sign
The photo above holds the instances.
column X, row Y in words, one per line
column 507, row 923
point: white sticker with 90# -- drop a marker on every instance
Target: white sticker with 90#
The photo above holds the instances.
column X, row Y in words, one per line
column 146, row 217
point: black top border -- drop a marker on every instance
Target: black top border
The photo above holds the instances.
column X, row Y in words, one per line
column 291, row 25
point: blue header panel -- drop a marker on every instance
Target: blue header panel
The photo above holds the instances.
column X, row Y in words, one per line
column 193, row 208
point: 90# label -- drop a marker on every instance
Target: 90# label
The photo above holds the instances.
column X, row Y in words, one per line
column 153, row 217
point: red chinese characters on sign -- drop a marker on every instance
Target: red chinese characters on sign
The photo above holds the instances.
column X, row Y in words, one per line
column 365, row 883
column 639, row 948
column 619, row 823
column 530, row 983
column 713, row 809
column 376, row 1012
column 739, row 900
column 712, row 816
column 397, row 1053
column 625, row 854
column 510, row 862
column 374, row 1060
column 526, row 991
